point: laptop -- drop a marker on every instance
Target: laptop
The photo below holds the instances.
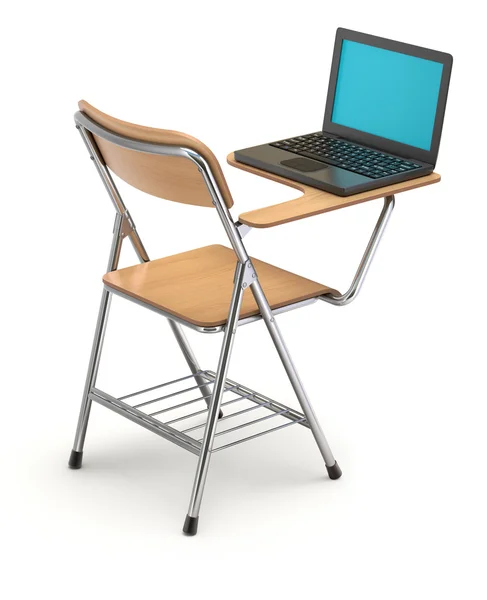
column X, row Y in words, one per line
column 383, row 119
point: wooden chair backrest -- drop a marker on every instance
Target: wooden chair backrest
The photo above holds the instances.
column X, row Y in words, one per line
column 170, row 177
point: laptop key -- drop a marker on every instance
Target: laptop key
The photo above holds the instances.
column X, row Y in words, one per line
column 328, row 161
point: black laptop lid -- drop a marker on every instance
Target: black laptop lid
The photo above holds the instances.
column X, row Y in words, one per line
column 387, row 95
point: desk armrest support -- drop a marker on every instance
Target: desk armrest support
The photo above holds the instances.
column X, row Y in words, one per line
column 369, row 253
column 314, row 202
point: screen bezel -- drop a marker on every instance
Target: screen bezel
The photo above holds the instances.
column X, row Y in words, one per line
column 368, row 139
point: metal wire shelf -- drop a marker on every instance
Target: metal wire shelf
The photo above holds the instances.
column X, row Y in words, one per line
column 180, row 413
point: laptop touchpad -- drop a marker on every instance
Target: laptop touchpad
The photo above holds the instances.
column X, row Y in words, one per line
column 303, row 164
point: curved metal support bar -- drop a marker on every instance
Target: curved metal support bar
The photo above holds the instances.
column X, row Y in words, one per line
column 367, row 258
column 126, row 142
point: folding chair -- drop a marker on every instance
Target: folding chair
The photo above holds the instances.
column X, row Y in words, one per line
column 205, row 289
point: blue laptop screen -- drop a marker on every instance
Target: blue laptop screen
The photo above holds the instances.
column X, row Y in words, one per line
column 388, row 94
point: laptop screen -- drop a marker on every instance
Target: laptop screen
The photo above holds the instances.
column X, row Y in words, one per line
column 386, row 93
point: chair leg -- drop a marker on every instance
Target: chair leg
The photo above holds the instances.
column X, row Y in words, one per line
column 334, row 471
column 192, row 362
column 76, row 457
column 191, row 523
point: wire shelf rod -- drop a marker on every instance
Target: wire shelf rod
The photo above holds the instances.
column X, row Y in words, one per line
column 256, row 435
column 200, row 412
column 178, row 393
column 161, row 385
column 241, row 426
column 236, row 414
column 164, row 410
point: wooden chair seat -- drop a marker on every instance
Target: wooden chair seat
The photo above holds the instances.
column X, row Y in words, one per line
column 197, row 286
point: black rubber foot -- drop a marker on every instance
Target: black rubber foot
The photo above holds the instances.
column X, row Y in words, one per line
column 190, row 525
column 75, row 460
column 334, row 472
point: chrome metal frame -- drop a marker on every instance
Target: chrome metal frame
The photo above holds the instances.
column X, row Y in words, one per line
column 245, row 276
column 124, row 227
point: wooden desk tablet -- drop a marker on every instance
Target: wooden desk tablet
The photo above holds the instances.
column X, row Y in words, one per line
column 314, row 201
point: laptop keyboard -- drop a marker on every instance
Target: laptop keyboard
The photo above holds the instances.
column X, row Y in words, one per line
column 346, row 155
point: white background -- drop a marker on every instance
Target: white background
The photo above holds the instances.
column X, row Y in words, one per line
column 395, row 378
